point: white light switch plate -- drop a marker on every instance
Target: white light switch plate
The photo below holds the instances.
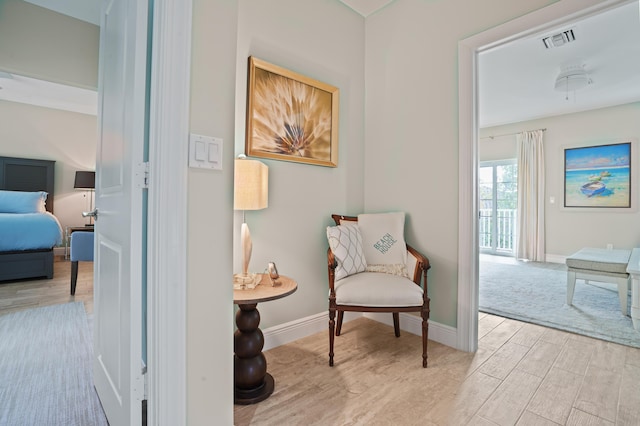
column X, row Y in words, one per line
column 205, row 152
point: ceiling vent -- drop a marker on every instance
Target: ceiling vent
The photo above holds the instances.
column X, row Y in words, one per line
column 559, row 39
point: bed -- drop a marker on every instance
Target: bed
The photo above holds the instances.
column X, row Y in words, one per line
column 26, row 244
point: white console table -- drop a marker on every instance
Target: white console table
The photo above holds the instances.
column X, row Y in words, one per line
column 633, row 268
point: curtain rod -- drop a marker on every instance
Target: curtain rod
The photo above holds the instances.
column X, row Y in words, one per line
column 508, row 134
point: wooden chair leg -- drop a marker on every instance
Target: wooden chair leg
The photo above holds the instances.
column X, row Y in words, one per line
column 396, row 323
column 74, row 277
column 332, row 315
column 339, row 325
column 425, row 333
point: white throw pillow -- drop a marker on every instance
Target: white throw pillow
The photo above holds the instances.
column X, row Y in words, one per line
column 345, row 242
column 383, row 242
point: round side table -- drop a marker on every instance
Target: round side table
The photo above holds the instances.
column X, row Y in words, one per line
column 252, row 383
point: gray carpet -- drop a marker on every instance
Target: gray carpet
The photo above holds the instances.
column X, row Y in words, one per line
column 536, row 292
column 46, row 368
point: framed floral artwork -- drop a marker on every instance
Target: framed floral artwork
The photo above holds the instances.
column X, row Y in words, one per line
column 291, row 117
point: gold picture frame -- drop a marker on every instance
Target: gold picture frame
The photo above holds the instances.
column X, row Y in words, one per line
column 291, row 117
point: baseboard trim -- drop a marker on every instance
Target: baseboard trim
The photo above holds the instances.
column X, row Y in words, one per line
column 555, row 258
column 440, row 333
column 288, row 332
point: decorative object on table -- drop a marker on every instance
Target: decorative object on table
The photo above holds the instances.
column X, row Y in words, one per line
column 386, row 287
column 273, row 272
column 86, row 180
column 598, row 176
column 251, row 183
column 291, row 117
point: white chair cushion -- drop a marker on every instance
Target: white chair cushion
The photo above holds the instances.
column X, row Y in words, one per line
column 376, row 289
column 345, row 242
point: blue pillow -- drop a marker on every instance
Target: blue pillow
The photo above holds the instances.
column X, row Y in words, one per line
column 22, row 202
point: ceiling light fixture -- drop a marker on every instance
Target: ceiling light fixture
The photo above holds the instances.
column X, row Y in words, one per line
column 572, row 78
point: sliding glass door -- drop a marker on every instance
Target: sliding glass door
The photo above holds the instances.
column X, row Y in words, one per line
column 497, row 189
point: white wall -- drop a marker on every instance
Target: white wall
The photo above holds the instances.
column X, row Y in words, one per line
column 66, row 137
column 210, row 218
column 568, row 230
column 412, row 123
column 323, row 40
column 39, row 43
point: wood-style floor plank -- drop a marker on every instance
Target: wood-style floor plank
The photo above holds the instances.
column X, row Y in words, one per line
column 27, row 294
column 555, row 396
column 553, row 379
column 378, row 379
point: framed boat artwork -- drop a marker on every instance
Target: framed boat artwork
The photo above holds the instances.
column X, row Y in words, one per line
column 598, row 176
column 290, row 116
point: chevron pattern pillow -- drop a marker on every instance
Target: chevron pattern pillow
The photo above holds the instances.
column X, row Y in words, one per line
column 345, row 242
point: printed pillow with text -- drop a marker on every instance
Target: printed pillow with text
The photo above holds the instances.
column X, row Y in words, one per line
column 383, row 242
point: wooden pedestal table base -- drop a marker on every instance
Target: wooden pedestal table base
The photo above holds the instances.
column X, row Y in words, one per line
column 252, row 383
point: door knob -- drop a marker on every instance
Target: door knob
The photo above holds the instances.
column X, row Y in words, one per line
column 93, row 213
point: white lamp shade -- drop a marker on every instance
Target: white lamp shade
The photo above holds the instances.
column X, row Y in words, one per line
column 251, row 184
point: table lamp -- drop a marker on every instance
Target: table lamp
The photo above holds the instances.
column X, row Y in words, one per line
column 250, row 183
column 86, row 180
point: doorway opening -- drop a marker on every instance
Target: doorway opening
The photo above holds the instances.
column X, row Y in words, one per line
column 468, row 51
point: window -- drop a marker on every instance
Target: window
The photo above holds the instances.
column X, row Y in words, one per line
column 498, row 198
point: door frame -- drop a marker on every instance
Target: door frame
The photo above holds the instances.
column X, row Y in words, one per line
column 542, row 20
column 167, row 212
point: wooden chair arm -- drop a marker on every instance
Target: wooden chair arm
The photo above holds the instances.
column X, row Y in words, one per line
column 332, row 264
column 422, row 265
column 422, row 259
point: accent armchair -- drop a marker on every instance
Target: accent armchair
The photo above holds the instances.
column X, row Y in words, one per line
column 371, row 287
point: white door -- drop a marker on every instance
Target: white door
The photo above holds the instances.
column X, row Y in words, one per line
column 117, row 365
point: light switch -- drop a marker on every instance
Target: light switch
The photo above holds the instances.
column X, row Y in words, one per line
column 214, row 157
column 201, row 154
column 205, row 152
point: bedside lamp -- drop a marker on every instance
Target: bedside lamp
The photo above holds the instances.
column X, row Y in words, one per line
column 86, row 180
column 250, row 192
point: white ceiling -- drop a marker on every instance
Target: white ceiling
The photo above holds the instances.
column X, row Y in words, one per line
column 17, row 88
column 366, row 7
column 516, row 80
column 84, row 10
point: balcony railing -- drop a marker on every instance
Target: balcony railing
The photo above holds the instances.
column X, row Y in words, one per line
column 502, row 238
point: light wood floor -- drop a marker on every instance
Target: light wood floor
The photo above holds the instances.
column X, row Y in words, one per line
column 19, row 295
column 522, row 374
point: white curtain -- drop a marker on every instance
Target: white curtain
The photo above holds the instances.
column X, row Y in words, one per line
column 530, row 224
